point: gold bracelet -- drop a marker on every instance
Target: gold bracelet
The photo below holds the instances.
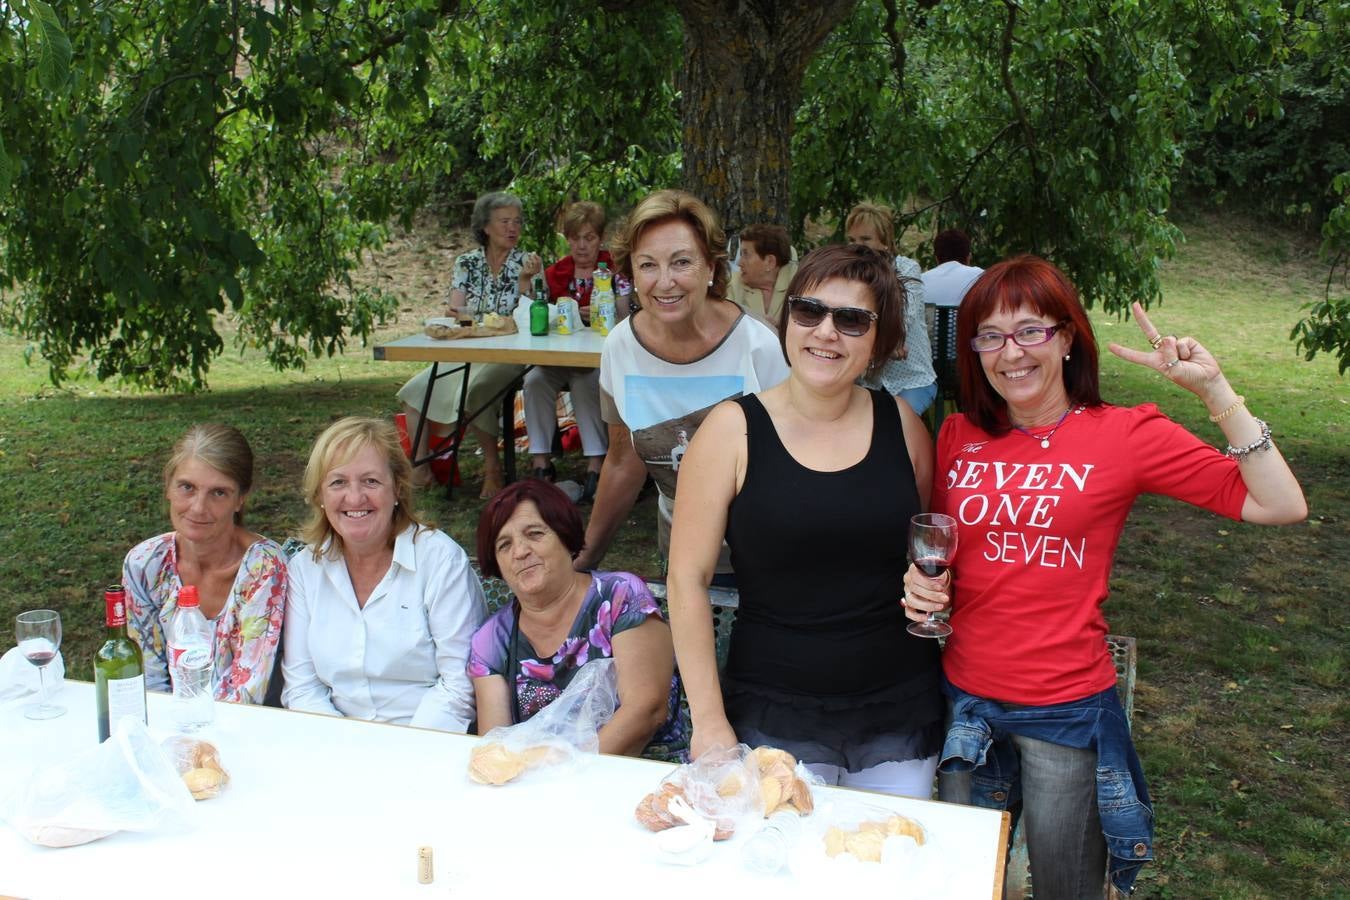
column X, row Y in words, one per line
column 1229, row 411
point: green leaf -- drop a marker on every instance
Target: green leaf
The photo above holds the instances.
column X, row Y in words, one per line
column 6, row 168
column 54, row 50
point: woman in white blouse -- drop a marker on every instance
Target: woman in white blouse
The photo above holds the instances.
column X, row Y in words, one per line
column 382, row 606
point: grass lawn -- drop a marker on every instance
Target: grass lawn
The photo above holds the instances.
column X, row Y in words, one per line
column 1240, row 711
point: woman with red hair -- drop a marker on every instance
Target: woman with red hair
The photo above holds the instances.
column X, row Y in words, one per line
column 1041, row 473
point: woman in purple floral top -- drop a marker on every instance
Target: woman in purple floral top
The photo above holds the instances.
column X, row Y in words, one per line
column 560, row 619
column 240, row 576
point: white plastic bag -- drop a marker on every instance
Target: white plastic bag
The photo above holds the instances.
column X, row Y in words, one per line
column 722, row 785
column 19, row 678
column 127, row 783
column 557, row 737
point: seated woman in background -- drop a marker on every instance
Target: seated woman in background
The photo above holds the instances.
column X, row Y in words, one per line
column 559, row 619
column 490, row 279
column 382, row 605
column 909, row 374
column 663, row 368
column 583, row 224
column 814, row 482
column 767, row 264
column 240, row 576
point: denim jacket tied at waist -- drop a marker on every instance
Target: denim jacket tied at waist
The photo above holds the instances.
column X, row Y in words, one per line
column 978, row 743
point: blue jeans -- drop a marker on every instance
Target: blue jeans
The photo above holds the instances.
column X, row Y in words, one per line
column 1071, row 769
column 919, row 398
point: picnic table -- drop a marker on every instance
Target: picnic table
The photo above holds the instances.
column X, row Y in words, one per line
column 581, row 349
column 331, row 807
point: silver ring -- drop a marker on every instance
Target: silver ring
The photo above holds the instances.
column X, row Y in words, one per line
column 1169, row 365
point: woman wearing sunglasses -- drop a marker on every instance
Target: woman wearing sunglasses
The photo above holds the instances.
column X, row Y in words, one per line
column 1041, row 474
column 813, row 482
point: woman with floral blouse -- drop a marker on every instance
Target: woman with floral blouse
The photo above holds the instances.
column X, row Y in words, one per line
column 240, row 576
column 490, row 279
column 559, row 619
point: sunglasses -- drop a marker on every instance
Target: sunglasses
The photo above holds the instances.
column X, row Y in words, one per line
column 809, row 312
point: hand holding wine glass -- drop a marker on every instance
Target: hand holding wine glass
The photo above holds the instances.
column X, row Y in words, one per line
column 932, row 548
column 38, row 633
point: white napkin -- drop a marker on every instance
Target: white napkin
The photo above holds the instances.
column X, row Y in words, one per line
column 19, row 677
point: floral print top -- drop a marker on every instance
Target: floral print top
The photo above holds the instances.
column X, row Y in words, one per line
column 616, row 602
column 484, row 292
column 247, row 630
column 916, row 369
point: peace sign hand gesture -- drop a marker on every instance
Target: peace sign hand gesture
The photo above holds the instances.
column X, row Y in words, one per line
column 1183, row 360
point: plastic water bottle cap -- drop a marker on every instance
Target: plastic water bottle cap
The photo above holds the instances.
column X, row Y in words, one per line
column 187, row 596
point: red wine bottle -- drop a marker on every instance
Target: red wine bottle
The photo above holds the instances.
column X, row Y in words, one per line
column 119, row 669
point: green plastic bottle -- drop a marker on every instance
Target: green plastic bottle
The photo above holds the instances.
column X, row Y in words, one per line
column 539, row 310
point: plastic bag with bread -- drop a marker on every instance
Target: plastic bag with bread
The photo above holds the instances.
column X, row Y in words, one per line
column 126, row 783
column 556, row 739
column 198, row 763
column 722, row 785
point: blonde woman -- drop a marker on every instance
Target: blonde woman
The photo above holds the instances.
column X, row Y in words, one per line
column 382, row 604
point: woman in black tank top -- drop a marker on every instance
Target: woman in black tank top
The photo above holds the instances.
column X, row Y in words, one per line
column 813, row 483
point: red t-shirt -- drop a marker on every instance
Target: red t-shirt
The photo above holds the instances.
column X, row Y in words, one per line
column 562, row 282
column 1038, row 533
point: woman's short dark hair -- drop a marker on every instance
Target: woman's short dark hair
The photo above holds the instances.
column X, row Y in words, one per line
column 484, row 207
column 670, row 205
column 769, row 240
column 557, row 511
column 950, row 245
column 1007, row 286
column 870, row 268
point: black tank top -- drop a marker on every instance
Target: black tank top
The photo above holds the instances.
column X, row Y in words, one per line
column 820, row 559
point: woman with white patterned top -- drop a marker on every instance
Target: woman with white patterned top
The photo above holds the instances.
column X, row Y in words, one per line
column 490, row 279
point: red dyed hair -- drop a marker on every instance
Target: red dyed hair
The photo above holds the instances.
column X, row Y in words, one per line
column 558, row 513
column 1007, row 286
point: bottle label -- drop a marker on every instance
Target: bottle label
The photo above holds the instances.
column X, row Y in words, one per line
column 126, row 699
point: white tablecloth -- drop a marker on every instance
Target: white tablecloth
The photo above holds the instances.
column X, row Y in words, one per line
column 320, row 806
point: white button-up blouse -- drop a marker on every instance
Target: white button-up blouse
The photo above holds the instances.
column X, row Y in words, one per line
column 399, row 659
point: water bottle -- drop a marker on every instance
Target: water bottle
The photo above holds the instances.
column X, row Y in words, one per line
column 539, row 310
column 767, row 850
column 191, row 662
column 603, row 317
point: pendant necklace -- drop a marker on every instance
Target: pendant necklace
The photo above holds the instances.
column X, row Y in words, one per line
column 1045, row 438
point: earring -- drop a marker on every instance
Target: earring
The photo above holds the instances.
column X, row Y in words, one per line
column 1066, row 357
column 710, row 282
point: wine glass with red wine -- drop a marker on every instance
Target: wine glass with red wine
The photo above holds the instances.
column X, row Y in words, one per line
column 932, row 547
column 38, row 632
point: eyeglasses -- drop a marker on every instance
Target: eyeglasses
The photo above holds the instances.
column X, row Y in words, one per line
column 1031, row 336
column 809, row 312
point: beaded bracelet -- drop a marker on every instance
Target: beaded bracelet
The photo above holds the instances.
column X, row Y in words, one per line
column 1237, row 404
column 1261, row 443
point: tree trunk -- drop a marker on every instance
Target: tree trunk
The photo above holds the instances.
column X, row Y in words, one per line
column 743, row 67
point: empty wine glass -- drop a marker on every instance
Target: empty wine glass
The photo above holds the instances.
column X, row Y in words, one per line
column 38, row 632
column 932, row 548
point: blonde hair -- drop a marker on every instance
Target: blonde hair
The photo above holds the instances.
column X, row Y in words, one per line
column 676, row 206
column 876, row 215
column 223, row 448
column 580, row 214
column 339, row 444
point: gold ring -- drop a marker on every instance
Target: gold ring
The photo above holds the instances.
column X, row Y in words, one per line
column 1155, row 341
